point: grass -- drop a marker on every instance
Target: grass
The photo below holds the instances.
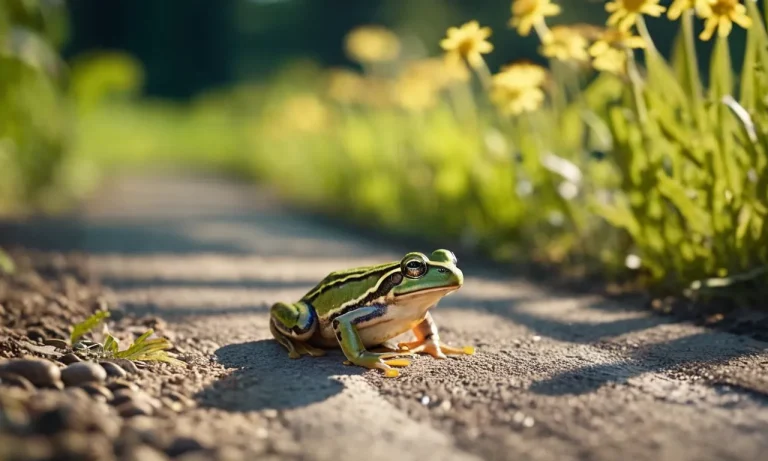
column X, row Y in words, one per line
column 141, row 349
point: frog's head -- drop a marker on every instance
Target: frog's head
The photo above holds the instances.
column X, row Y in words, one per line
column 425, row 277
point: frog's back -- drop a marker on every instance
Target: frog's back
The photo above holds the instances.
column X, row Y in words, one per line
column 342, row 286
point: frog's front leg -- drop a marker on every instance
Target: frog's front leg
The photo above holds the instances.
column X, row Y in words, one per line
column 345, row 326
column 292, row 325
column 428, row 341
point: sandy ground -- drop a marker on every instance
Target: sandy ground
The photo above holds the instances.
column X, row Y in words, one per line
column 555, row 377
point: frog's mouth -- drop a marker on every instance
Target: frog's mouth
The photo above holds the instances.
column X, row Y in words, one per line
column 447, row 290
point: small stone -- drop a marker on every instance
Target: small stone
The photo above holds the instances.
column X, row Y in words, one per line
column 445, row 405
column 40, row 373
column 114, row 370
column 126, row 365
column 424, row 400
column 119, row 384
column 36, row 334
column 133, row 408
column 57, row 343
column 270, row 413
column 518, row 417
column 182, row 445
column 80, row 373
column 123, row 395
column 536, row 338
column 143, row 453
column 82, row 446
column 14, row 380
column 184, row 400
column 261, row 433
column 528, row 422
column 69, row 359
column 96, row 391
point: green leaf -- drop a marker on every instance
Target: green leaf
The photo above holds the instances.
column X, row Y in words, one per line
column 111, row 344
column 6, row 263
column 696, row 218
column 618, row 215
column 87, row 325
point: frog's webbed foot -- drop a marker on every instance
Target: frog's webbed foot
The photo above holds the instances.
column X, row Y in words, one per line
column 295, row 348
column 383, row 362
column 434, row 348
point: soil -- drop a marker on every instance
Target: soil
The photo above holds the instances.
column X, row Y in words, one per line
column 556, row 376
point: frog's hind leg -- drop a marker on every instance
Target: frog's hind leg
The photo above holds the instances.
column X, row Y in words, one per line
column 292, row 325
column 428, row 342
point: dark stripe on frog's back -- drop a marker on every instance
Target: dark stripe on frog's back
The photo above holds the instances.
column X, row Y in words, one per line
column 334, row 279
column 391, row 281
column 330, row 295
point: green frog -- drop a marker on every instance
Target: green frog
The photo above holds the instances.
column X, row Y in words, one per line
column 364, row 308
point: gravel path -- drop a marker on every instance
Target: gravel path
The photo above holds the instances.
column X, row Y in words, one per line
column 555, row 377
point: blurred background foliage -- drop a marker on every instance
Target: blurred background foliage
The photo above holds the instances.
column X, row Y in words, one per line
column 614, row 175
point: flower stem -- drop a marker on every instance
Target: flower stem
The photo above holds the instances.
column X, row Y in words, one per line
column 643, row 30
column 483, row 73
column 692, row 68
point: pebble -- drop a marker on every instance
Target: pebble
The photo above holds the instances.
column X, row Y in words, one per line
column 183, row 445
column 425, row 400
column 83, row 372
column 97, row 391
column 36, row 334
column 83, row 447
column 114, row 370
column 57, row 343
column 119, row 384
column 133, row 408
column 40, row 373
column 143, row 453
column 69, row 359
column 14, row 380
column 126, row 365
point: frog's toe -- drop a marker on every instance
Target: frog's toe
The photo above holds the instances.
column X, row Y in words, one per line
column 465, row 350
column 398, row 362
column 435, row 349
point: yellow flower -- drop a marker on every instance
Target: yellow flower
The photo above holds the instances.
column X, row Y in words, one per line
column 528, row 13
column 610, row 50
column 415, row 93
column 305, row 113
column 368, row 44
column 679, row 6
column 345, row 86
column 624, row 13
column 613, row 60
column 565, row 44
column 469, row 42
column 517, row 88
column 720, row 15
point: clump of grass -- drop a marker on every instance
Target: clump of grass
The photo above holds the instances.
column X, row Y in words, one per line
column 141, row 349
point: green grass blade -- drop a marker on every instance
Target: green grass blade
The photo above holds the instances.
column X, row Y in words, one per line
column 6, row 263
column 696, row 219
column 87, row 325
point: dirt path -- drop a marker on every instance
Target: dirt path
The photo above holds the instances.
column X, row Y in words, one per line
column 555, row 378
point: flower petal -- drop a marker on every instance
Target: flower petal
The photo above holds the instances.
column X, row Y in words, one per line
column 709, row 29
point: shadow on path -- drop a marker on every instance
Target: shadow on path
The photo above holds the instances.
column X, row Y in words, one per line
column 265, row 378
column 693, row 355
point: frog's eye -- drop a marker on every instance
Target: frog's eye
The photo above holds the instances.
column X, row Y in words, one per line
column 414, row 268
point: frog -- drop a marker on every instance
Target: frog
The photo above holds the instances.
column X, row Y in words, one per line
column 361, row 310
